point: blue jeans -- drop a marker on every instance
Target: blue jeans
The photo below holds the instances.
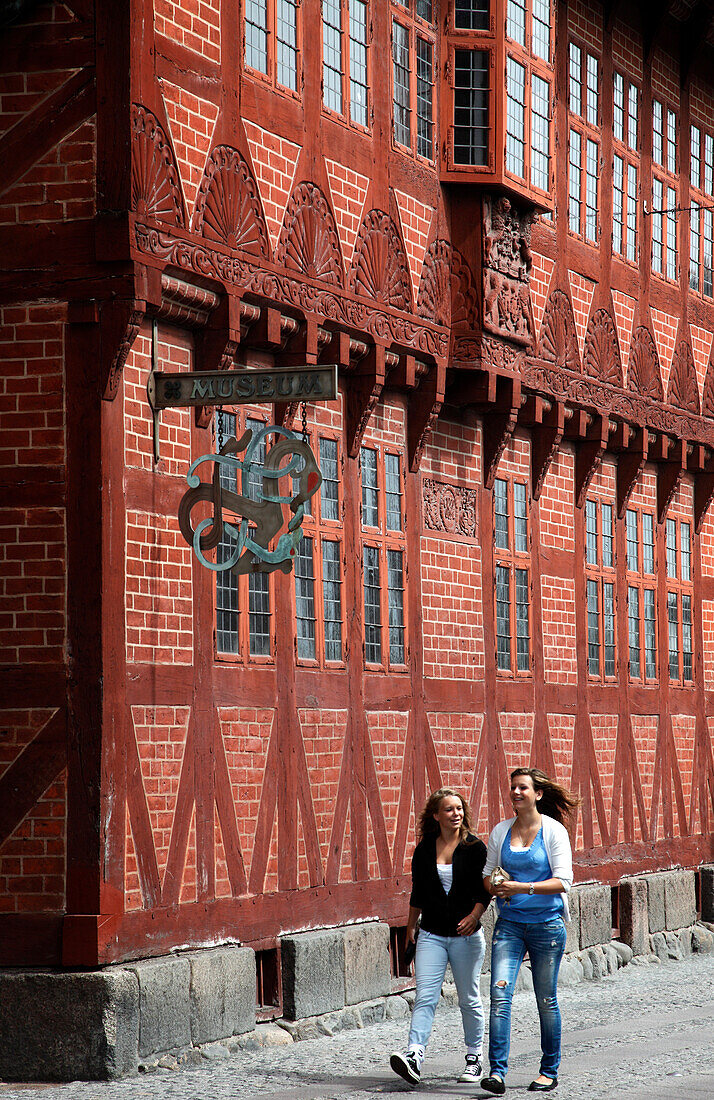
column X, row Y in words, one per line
column 465, row 953
column 545, row 944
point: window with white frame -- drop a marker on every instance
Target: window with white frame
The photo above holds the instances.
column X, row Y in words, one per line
column 270, row 40
column 701, row 214
column 678, row 535
column 665, row 190
column 600, row 588
column 528, row 91
column 345, row 85
column 641, row 604
column 625, row 183
column 512, row 569
column 413, row 45
column 584, row 142
column 383, row 558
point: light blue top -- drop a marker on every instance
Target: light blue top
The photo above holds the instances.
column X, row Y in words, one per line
column 529, row 865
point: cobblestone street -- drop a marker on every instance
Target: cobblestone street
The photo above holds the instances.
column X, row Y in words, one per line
column 645, row 1033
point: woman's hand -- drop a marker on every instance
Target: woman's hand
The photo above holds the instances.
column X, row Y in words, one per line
column 411, row 935
column 468, row 925
column 508, row 888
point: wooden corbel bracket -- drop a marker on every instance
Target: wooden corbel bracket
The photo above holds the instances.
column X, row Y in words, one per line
column 589, row 455
column 301, row 349
column 630, row 464
column 120, row 322
column 499, row 422
column 669, row 475
column 423, row 408
column 364, row 389
column 545, row 441
column 217, row 344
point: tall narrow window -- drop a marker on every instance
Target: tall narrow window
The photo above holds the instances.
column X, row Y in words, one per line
column 679, row 599
column 701, row 216
column 413, row 42
column 471, row 107
column 515, row 117
column 512, row 571
column 665, row 187
column 359, row 86
column 625, row 132
column 600, row 588
column 332, row 55
column 639, row 527
column 227, row 598
column 584, row 143
column 383, row 558
column 345, row 88
column 270, row 33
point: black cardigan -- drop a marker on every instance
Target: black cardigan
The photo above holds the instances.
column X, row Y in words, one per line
column 440, row 913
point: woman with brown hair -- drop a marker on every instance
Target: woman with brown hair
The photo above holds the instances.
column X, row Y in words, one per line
column 529, row 868
column 449, row 896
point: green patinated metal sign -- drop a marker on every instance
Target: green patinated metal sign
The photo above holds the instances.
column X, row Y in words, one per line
column 242, row 387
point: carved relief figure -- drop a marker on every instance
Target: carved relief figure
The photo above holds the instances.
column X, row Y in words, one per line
column 507, row 263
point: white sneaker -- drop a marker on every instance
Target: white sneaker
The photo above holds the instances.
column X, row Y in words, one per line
column 472, row 1071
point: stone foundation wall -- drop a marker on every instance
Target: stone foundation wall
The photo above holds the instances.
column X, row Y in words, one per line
column 201, row 1004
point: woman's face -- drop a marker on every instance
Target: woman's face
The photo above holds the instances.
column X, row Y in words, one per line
column 523, row 794
column 450, row 814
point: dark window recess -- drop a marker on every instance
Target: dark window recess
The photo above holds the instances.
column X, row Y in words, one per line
column 397, row 946
column 471, row 15
column 615, row 909
column 471, row 122
column 268, row 986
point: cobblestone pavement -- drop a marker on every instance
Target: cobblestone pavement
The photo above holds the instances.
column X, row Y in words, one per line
column 645, row 1033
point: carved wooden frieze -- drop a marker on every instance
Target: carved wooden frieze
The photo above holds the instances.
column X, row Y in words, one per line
column 228, row 208
column 590, row 394
column 507, row 263
column 449, row 508
column 273, row 284
column 447, row 294
column 155, row 187
column 309, row 242
column 708, row 399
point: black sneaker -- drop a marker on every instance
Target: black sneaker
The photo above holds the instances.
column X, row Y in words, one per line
column 407, row 1066
column 493, row 1084
column 472, row 1072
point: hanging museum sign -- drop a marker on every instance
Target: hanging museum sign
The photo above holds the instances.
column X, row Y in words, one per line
column 242, row 387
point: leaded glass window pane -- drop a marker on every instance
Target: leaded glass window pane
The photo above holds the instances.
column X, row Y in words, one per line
column 632, row 540
column 618, row 107
column 332, row 599
column 593, row 90
column 647, row 543
column 500, row 498
column 575, row 74
column 259, row 614
column 522, row 626
column 686, row 637
column 520, row 526
column 359, row 91
column 673, row 633
column 574, row 177
column 332, row 55
column 516, row 21
column 503, row 618
column 671, row 549
column 471, row 15
column 593, row 628
column 608, row 544
column 395, row 595
column 305, row 599
column 608, row 628
column 425, row 98
column 633, row 622
column 393, row 492
column 286, row 43
column 515, row 117
column 370, row 492
column 650, row 634
column 256, row 34
column 685, row 552
column 540, row 39
column 400, row 62
column 227, row 606
column 471, row 107
column 591, row 178
column 372, row 610
column 329, row 490
column 540, row 132
column 591, row 532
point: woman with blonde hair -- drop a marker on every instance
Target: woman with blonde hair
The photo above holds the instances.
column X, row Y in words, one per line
column 449, row 896
column 529, row 868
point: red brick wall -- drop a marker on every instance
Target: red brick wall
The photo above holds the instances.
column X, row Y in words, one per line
column 195, row 24
column 585, row 23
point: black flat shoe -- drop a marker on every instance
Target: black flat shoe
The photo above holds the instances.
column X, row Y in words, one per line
column 493, row 1084
column 536, row 1086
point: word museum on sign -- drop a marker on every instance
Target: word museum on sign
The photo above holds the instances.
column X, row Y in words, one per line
column 234, row 387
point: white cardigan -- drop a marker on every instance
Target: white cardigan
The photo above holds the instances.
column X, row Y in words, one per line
column 557, row 846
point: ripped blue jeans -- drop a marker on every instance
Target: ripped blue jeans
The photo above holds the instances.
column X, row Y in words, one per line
column 545, row 944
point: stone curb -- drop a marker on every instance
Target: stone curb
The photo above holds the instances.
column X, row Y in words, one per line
column 591, row 964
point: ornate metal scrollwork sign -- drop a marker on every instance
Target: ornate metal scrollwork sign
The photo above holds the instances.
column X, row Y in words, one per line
column 258, row 509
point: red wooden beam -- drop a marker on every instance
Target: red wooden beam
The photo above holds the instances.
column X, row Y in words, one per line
column 27, row 779
column 630, row 464
column 545, row 441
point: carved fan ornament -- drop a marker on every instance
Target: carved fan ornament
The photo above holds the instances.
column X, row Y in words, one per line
column 558, row 340
column 601, row 357
column 309, row 242
column 228, row 208
column 380, row 269
column 683, row 389
column 447, row 294
column 155, row 186
column 644, row 374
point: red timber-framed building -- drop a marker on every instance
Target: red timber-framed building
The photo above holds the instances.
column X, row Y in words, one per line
column 496, row 217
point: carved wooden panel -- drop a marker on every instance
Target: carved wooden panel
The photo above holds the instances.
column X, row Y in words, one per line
column 228, row 207
column 644, row 375
column 155, row 187
column 708, row 399
column 558, row 342
column 309, row 241
column 447, row 294
column 601, row 356
column 683, row 390
column 507, row 263
column 449, row 508
column 380, row 269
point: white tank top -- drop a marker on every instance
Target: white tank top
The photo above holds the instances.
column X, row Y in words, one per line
column 446, row 874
